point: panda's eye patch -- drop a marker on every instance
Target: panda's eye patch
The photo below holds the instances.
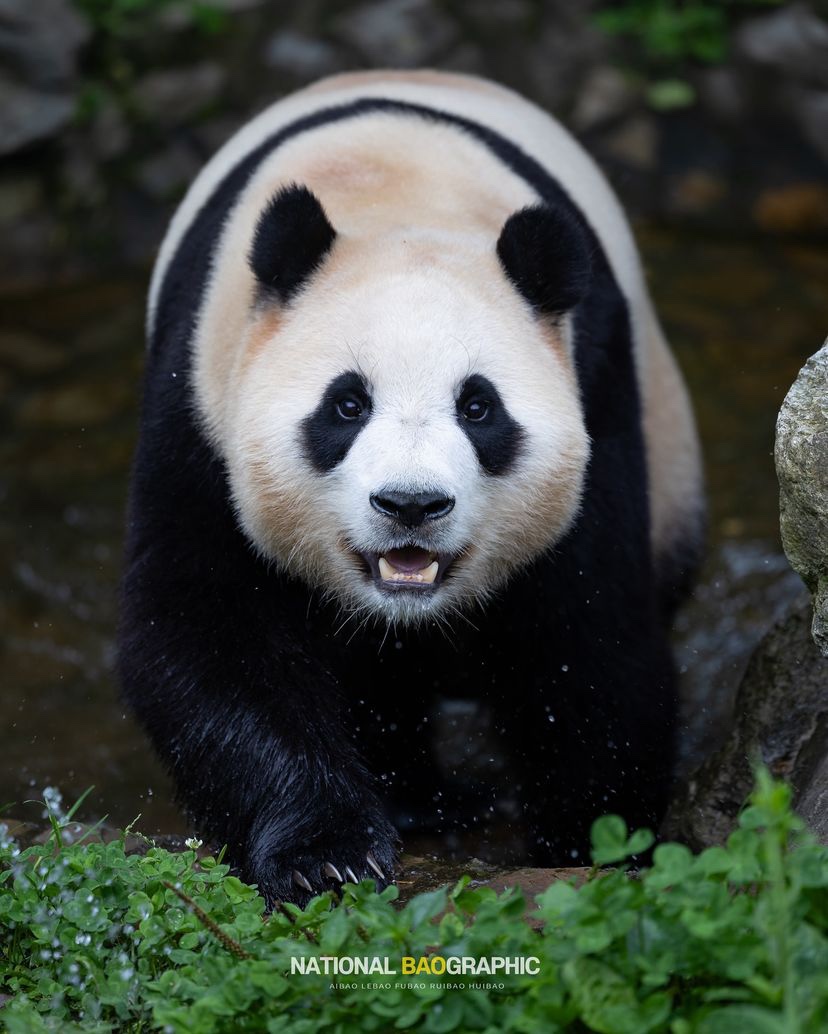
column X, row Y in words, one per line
column 477, row 400
column 482, row 414
column 349, row 408
column 476, row 409
column 342, row 412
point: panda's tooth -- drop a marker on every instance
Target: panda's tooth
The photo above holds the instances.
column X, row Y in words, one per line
column 389, row 573
column 429, row 574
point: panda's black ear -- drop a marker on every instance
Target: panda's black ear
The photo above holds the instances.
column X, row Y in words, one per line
column 292, row 237
column 545, row 252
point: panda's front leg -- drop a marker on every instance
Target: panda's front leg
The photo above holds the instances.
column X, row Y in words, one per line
column 327, row 833
column 255, row 734
column 320, row 824
column 596, row 735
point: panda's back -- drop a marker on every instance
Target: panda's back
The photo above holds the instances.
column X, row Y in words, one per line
column 324, row 120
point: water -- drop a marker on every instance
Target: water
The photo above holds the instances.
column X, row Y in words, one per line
column 742, row 317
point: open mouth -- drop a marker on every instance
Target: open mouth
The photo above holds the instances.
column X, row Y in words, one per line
column 409, row 567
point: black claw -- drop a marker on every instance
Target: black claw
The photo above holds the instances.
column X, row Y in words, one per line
column 352, row 876
column 369, row 858
column 329, row 869
column 301, row 881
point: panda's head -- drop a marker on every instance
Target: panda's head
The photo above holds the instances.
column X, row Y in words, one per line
column 404, row 428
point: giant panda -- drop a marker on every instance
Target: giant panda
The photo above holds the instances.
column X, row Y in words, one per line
column 410, row 429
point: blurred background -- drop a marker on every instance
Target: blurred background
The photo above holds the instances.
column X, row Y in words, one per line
column 711, row 119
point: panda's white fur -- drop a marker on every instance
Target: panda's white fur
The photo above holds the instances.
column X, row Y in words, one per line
column 412, row 442
column 417, row 207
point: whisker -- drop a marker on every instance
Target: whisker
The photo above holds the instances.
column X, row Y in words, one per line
column 358, row 629
column 385, row 636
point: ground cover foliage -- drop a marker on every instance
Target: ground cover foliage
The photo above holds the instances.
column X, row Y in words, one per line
column 731, row 941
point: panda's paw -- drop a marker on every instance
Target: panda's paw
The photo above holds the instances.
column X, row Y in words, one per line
column 302, row 874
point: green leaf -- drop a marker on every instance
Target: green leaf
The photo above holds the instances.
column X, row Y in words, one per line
column 609, row 840
column 741, row 1019
column 640, row 841
column 714, row 860
column 426, row 906
column 670, row 94
column 445, row 1015
column 73, row 810
column 608, row 1004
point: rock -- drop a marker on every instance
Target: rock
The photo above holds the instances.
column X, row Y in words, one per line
column 496, row 16
column 171, row 98
column 39, row 44
column 793, row 41
column 214, row 132
column 423, row 872
column 605, row 95
column 41, row 40
column 19, row 198
column 810, row 109
column 83, row 175
column 175, row 17
column 468, row 59
column 27, row 116
column 557, row 58
column 167, row 174
column 21, row 830
column 532, row 882
column 635, row 142
column 110, row 136
column 782, row 705
column 420, row 873
column 304, row 57
column 813, row 803
column 801, row 456
column 746, row 587
column 723, row 92
column 236, row 6
column 398, row 33
column 781, row 720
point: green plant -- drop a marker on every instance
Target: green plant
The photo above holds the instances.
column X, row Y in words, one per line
column 665, row 36
column 123, row 19
column 732, row 941
column 124, row 41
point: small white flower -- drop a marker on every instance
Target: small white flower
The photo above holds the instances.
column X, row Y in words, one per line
column 193, row 843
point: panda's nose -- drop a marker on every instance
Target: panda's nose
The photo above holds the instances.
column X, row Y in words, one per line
column 412, row 510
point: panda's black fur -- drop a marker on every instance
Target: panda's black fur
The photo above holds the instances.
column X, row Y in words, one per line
column 292, row 237
column 293, row 744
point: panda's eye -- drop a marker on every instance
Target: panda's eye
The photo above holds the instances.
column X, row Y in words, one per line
column 475, row 409
column 349, row 408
